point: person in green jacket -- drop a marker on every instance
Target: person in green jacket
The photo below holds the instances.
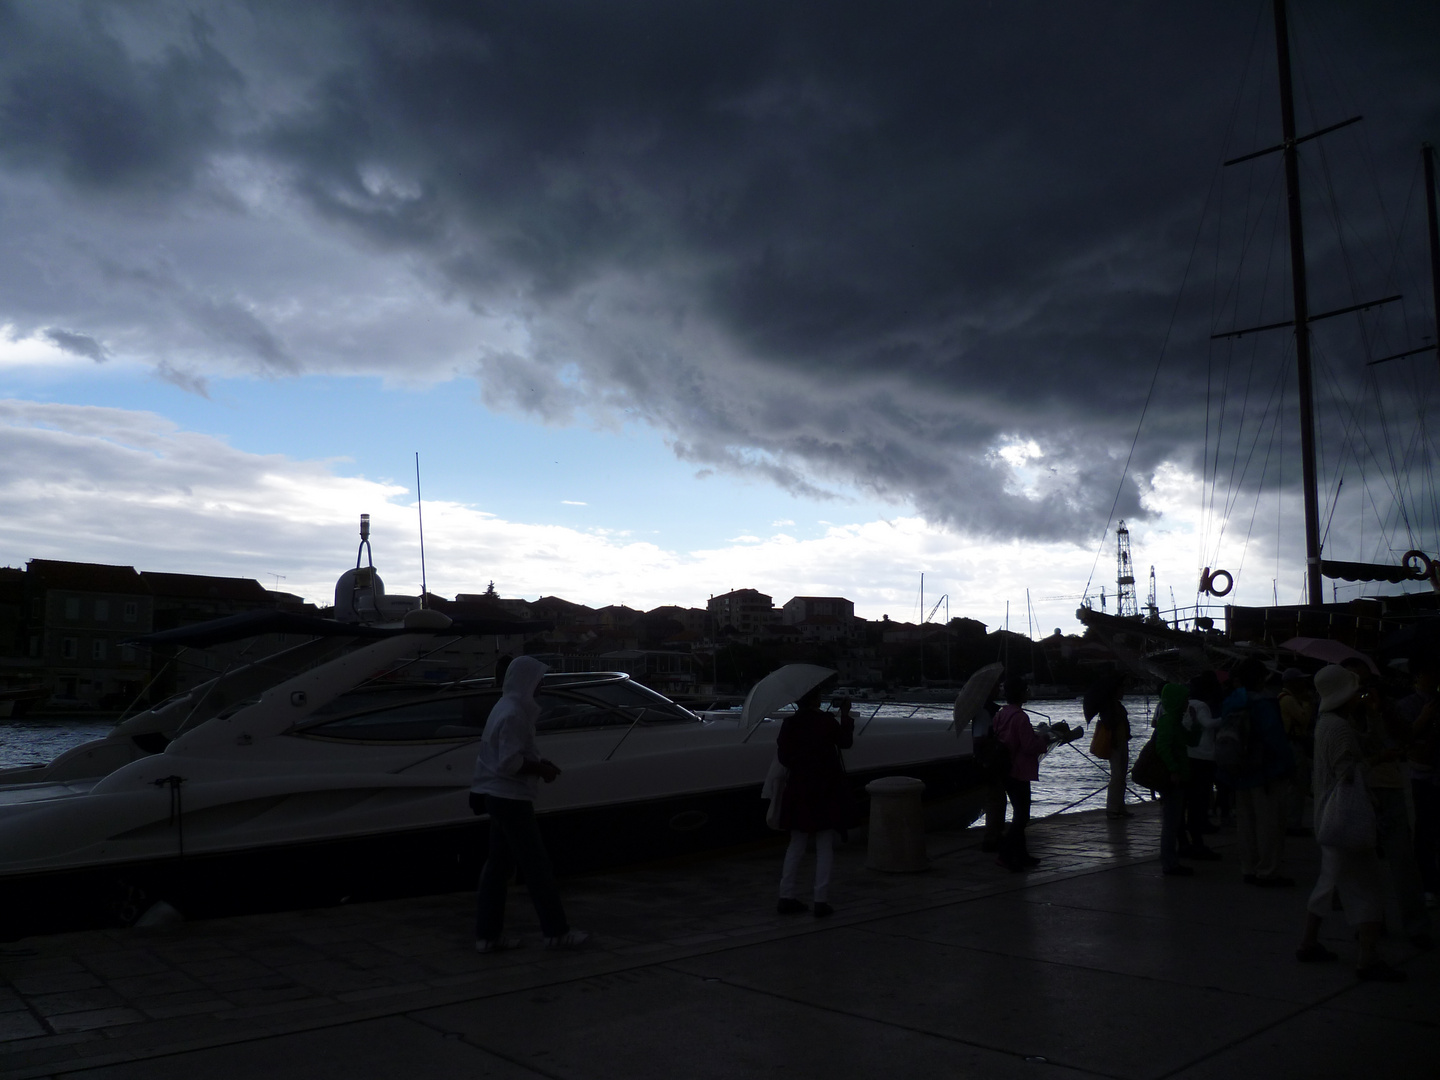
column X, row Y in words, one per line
column 1172, row 744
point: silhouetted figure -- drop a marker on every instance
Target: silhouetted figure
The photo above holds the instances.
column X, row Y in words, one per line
column 1353, row 875
column 1253, row 757
column 1172, row 745
column 1013, row 728
column 508, row 772
column 816, row 801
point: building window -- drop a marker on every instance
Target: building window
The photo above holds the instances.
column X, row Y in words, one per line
column 69, row 649
column 97, row 649
column 102, row 610
column 127, row 654
column 35, row 645
column 72, row 607
column 131, row 611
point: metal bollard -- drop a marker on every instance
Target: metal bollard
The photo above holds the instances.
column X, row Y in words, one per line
column 897, row 825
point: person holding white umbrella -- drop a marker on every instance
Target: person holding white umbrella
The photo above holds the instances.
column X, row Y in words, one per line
column 816, row 801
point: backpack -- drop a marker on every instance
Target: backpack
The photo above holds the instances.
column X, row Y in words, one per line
column 1149, row 770
column 993, row 757
column 1239, row 750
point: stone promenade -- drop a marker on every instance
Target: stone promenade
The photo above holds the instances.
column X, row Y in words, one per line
column 1094, row 965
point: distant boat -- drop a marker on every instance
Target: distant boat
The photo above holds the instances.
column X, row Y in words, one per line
column 17, row 701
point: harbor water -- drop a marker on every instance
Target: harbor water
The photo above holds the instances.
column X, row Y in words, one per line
column 1070, row 779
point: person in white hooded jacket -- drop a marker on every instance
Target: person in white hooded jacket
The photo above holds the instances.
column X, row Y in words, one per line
column 508, row 772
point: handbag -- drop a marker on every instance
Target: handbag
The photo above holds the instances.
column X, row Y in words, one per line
column 1103, row 744
column 1149, row 770
column 1347, row 820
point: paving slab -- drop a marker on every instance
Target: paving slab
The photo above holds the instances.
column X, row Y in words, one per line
column 1158, row 945
column 657, row 1022
column 1324, row 1044
column 1071, row 1015
column 1092, row 965
column 379, row 1050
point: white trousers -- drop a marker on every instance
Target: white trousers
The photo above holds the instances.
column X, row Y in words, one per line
column 824, row 862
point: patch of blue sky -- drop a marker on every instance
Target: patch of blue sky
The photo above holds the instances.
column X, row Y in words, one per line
column 623, row 481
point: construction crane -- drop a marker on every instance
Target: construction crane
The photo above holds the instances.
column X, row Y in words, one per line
column 1128, row 604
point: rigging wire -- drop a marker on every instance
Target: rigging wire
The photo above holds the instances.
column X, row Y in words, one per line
column 1215, row 182
column 1209, row 474
column 1402, row 456
column 1276, row 391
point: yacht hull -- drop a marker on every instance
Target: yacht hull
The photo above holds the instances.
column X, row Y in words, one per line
column 430, row 859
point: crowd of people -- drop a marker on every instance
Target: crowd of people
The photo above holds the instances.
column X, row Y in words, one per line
column 1275, row 755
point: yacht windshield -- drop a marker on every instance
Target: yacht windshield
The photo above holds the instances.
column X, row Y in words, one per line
column 400, row 713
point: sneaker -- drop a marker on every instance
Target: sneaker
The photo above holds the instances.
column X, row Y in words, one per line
column 1030, row 861
column 503, row 943
column 1315, row 954
column 823, row 910
column 1380, row 972
column 1114, row 815
column 569, row 941
column 990, row 847
column 790, row 906
column 1178, row 871
column 1251, row 879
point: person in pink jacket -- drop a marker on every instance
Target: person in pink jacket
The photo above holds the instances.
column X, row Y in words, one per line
column 1012, row 726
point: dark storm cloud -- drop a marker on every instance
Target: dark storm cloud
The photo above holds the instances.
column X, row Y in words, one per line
column 833, row 244
column 75, row 100
column 76, row 344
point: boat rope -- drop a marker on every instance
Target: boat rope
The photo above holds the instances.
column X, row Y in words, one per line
column 177, row 809
column 125, row 714
column 1103, row 769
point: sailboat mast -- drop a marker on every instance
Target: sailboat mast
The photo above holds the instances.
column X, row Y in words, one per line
column 1301, row 302
column 1428, row 152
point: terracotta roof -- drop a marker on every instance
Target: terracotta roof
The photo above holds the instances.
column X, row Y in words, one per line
column 87, row 577
column 203, row 586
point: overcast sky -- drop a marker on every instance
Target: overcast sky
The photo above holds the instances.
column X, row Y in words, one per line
column 678, row 298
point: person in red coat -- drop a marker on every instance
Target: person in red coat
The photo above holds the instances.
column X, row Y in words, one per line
column 817, row 800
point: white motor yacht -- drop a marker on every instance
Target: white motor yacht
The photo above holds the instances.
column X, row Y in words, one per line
column 321, row 774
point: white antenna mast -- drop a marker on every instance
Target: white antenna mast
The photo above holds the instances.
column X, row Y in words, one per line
column 420, row 513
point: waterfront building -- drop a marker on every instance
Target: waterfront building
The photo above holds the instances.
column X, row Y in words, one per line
column 822, row 618
column 743, row 613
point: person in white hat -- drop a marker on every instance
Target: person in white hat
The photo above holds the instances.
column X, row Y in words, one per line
column 1353, row 874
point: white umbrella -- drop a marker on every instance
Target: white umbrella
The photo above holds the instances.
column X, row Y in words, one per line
column 974, row 694
column 780, row 688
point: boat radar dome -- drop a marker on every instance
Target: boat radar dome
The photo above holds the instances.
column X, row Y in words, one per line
column 360, row 594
